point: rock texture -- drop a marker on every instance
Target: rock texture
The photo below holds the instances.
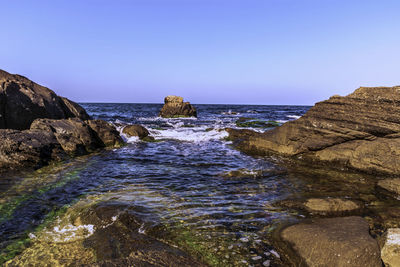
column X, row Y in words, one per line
column 136, row 130
column 360, row 131
column 22, row 101
column 333, row 242
column 31, row 148
column 391, row 185
column 106, row 132
column 391, row 249
column 330, row 205
column 175, row 107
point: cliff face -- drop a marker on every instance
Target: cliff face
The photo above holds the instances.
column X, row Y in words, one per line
column 360, row 131
column 22, row 101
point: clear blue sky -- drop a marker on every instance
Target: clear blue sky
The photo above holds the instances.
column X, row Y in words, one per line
column 208, row 51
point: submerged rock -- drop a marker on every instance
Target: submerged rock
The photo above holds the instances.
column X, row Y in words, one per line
column 174, row 107
column 330, row 205
column 255, row 123
column 22, row 101
column 359, row 131
column 391, row 249
column 333, row 242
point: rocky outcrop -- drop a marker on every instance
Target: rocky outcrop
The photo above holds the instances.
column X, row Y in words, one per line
column 139, row 131
column 391, row 249
column 22, row 101
column 360, row 131
column 333, row 242
column 106, row 132
column 174, row 107
column 30, row 148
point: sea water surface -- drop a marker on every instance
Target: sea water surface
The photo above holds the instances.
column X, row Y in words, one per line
column 191, row 180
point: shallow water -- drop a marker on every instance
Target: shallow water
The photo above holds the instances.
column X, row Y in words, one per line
column 217, row 203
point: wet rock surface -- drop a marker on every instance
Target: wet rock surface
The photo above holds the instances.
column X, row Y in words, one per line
column 359, row 131
column 106, row 132
column 391, row 185
column 175, row 107
column 333, row 242
column 22, row 101
column 136, row 130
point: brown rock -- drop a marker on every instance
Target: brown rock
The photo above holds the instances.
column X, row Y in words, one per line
column 330, row 205
column 30, row 148
column 391, row 185
column 106, row 132
column 75, row 136
column 391, row 249
column 360, row 131
column 136, row 130
column 333, row 242
column 175, row 107
column 22, row 101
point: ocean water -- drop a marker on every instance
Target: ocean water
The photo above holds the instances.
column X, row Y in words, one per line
column 192, row 181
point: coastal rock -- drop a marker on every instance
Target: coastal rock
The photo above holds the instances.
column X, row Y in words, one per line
column 136, row 130
column 359, row 131
column 75, row 136
column 324, row 206
column 175, row 107
column 106, row 132
column 333, row 242
column 390, row 252
column 391, row 185
column 29, row 148
column 22, row 101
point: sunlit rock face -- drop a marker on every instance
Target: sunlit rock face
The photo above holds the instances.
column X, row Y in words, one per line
column 22, row 101
column 359, row 131
column 175, row 107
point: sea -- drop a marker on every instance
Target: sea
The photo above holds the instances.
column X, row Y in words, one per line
column 191, row 181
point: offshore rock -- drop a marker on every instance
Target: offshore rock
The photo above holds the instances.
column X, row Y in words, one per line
column 359, row 131
column 136, row 130
column 22, row 101
column 175, row 107
column 30, row 148
column 333, row 242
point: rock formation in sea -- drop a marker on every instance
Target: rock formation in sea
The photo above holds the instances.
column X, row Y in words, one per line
column 37, row 126
column 22, row 101
column 359, row 131
column 175, row 107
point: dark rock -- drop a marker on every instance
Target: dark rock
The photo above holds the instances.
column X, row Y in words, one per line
column 359, row 131
column 106, row 132
column 22, row 101
column 333, row 242
column 30, row 148
column 136, row 130
column 255, row 123
column 174, row 107
column 75, row 136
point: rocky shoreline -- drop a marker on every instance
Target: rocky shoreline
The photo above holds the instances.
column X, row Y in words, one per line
column 358, row 133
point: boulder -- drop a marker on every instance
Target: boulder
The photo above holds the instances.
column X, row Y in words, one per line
column 391, row 185
column 106, row 132
column 333, row 242
column 75, row 136
column 359, row 131
column 136, row 130
column 29, row 148
column 175, row 107
column 390, row 252
column 22, row 101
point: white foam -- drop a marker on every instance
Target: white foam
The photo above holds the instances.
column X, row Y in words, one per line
column 393, row 237
column 293, row 117
column 71, row 232
column 198, row 134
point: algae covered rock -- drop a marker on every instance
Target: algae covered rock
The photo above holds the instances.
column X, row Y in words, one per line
column 22, row 101
column 174, row 107
column 333, row 242
column 256, row 123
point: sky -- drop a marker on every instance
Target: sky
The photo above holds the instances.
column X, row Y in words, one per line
column 208, row 51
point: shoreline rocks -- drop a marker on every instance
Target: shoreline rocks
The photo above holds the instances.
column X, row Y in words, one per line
column 333, row 242
column 360, row 131
column 22, row 101
column 38, row 127
column 174, row 107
